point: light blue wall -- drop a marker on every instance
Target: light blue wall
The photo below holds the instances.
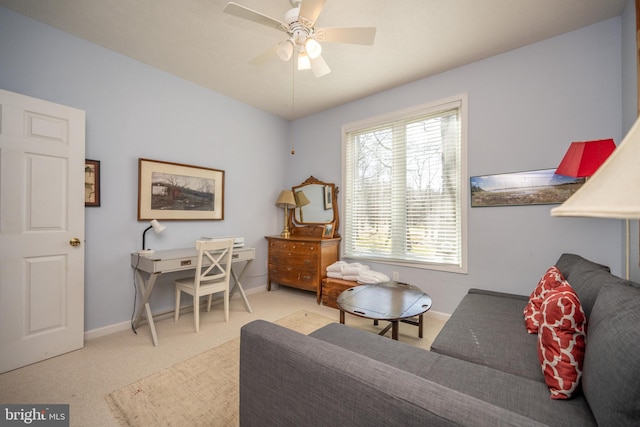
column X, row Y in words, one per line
column 133, row 111
column 525, row 108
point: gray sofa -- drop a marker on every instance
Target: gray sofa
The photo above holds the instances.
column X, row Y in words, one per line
column 483, row 369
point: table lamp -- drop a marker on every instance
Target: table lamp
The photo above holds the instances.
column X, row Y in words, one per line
column 286, row 201
column 157, row 227
column 583, row 159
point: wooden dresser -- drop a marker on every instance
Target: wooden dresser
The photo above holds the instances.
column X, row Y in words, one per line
column 301, row 261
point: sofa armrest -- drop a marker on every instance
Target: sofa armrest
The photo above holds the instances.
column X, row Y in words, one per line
column 290, row 379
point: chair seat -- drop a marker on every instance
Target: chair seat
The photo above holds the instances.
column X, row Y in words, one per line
column 188, row 283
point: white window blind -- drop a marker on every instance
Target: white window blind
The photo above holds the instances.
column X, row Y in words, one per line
column 403, row 196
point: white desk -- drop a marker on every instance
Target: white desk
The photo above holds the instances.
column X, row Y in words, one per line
column 168, row 261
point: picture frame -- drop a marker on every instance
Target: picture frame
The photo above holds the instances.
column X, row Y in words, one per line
column 91, row 183
column 327, row 232
column 328, row 198
column 536, row 187
column 176, row 191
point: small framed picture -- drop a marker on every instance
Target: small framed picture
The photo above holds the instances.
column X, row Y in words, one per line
column 327, row 233
column 91, row 182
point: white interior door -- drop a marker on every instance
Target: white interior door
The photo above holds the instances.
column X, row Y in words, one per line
column 41, row 213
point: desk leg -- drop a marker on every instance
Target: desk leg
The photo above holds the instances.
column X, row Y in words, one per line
column 145, row 291
column 238, row 285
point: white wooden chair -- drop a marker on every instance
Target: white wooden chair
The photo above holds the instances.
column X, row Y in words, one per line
column 213, row 272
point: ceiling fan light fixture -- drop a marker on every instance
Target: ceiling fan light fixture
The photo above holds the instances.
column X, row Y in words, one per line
column 285, row 50
column 303, row 61
column 313, row 48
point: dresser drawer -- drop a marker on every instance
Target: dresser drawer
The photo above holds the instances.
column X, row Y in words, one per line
column 293, row 246
column 299, row 260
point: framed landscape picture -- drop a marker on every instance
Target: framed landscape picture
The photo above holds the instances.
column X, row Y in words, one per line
column 538, row 187
column 175, row 191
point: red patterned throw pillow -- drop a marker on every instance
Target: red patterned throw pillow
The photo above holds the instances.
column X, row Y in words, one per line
column 561, row 341
column 551, row 280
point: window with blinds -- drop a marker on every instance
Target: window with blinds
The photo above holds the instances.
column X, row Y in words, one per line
column 404, row 195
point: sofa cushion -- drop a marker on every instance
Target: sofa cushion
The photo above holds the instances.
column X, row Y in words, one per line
column 549, row 281
column 561, row 340
column 520, row 395
column 611, row 374
column 567, row 263
column 587, row 278
column 477, row 329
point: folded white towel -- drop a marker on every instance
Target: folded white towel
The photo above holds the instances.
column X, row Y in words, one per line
column 354, row 270
column 334, row 274
column 336, row 266
column 352, row 278
column 371, row 277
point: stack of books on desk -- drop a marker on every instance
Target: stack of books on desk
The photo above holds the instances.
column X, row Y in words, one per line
column 238, row 242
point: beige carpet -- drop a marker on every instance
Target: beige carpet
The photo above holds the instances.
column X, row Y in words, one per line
column 204, row 390
column 201, row 391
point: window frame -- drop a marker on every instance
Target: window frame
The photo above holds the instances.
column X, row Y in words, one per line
column 458, row 101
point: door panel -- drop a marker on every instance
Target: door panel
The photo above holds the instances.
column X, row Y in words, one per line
column 41, row 210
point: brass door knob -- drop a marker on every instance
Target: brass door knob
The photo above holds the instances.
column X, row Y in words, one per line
column 74, row 242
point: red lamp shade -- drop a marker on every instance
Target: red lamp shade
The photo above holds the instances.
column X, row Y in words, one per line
column 584, row 158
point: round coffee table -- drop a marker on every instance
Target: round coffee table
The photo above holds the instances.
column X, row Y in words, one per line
column 391, row 301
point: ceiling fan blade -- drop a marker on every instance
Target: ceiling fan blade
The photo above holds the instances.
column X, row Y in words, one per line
column 251, row 15
column 310, row 10
column 319, row 67
column 363, row 35
column 265, row 57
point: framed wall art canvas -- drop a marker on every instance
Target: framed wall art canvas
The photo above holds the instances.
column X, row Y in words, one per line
column 538, row 187
column 175, row 191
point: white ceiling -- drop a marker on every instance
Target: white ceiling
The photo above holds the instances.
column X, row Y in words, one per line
column 195, row 40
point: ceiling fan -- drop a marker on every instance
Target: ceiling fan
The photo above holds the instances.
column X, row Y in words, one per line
column 303, row 35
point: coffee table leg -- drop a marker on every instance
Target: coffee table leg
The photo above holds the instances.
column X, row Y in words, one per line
column 394, row 330
column 420, row 318
column 342, row 317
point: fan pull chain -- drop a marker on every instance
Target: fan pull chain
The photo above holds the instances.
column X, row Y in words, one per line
column 293, row 105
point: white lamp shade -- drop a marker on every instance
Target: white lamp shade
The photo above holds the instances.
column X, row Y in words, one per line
column 613, row 191
column 313, row 48
column 157, row 227
column 303, row 61
column 285, row 50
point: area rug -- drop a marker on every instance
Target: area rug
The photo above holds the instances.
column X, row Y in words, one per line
column 201, row 391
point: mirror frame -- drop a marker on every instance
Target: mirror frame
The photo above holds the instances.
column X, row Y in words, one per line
column 315, row 228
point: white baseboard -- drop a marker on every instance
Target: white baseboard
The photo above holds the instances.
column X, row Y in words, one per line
column 122, row 326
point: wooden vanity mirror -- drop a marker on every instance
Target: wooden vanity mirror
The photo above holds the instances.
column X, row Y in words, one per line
column 317, row 210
